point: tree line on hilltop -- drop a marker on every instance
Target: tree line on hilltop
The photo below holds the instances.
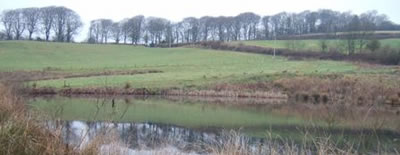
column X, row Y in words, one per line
column 54, row 23
column 63, row 24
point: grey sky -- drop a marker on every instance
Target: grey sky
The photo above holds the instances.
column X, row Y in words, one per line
column 176, row 10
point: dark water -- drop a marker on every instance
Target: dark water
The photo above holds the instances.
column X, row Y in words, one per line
column 194, row 125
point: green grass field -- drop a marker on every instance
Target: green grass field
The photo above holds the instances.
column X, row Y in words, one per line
column 180, row 66
column 313, row 45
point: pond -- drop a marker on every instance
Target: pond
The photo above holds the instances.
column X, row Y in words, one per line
column 194, row 125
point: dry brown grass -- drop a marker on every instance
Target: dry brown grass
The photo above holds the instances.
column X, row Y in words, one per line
column 356, row 90
column 20, row 133
column 127, row 90
column 235, row 144
column 51, row 74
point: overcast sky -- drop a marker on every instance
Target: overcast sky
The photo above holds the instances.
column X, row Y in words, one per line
column 176, row 10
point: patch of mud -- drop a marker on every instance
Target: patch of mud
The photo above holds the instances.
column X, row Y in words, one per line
column 21, row 76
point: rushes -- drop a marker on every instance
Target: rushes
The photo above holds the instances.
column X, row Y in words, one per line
column 20, row 133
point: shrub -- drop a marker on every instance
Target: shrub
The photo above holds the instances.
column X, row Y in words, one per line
column 20, row 133
column 373, row 45
column 323, row 44
column 127, row 85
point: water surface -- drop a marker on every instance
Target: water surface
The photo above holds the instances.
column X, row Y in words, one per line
column 193, row 124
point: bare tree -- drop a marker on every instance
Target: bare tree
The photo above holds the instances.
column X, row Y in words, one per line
column 105, row 29
column 116, row 31
column 205, row 26
column 169, row 33
column 18, row 23
column 136, row 26
column 60, row 20
column 73, row 24
column 352, row 34
column 156, row 27
column 47, row 19
column 311, row 20
column 266, row 24
column 249, row 22
column 254, row 21
column 95, row 30
column 192, row 28
column 7, row 20
column 31, row 18
column 125, row 29
column 366, row 28
column 237, row 26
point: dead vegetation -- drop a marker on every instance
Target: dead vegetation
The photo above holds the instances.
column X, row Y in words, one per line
column 233, row 143
column 327, row 89
column 355, row 90
column 20, row 133
column 164, row 92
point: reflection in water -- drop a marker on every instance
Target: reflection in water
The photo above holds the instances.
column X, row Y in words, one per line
column 150, row 136
column 191, row 125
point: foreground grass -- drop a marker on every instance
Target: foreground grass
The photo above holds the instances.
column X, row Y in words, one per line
column 22, row 134
column 312, row 45
column 180, row 66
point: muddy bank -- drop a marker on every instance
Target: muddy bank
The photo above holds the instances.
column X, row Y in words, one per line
column 163, row 92
column 51, row 74
column 328, row 89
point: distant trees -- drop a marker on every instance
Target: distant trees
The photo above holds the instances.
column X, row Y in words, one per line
column 47, row 19
column 156, row 28
column 31, row 18
column 64, row 23
column 136, row 25
column 116, row 31
column 266, row 24
column 100, row 29
column 248, row 26
column 7, row 20
column 18, row 25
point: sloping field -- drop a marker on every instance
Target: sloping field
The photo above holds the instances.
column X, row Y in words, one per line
column 170, row 67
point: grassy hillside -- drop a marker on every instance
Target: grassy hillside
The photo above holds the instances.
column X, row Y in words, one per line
column 179, row 66
column 313, row 45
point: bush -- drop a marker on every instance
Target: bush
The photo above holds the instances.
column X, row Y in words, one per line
column 373, row 45
column 388, row 56
column 323, row 44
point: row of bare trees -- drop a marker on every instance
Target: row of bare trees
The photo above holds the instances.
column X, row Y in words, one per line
column 245, row 26
column 62, row 22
